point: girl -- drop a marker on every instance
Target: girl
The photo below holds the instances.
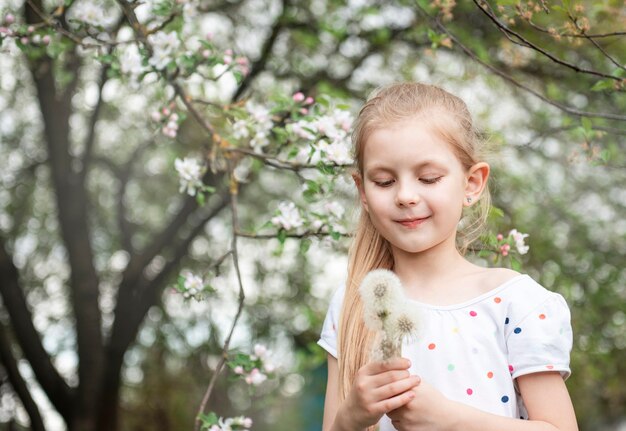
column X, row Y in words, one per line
column 493, row 351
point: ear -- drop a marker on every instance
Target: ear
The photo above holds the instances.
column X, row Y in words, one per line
column 476, row 182
column 358, row 181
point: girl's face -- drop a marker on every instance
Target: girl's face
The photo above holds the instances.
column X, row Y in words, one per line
column 413, row 186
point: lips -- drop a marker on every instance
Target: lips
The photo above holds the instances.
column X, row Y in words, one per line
column 412, row 222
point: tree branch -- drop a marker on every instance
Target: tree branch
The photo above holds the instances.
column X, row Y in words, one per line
column 528, row 44
column 71, row 200
column 259, row 65
column 18, row 383
column 436, row 23
column 51, row 382
column 242, row 296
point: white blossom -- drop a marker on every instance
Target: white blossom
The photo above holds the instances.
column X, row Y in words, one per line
column 163, row 46
column 343, row 119
column 193, row 283
column 518, row 237
column 131, row 61
column 190, row 173
column 334, row 209
column 288, row 217
column 303, row 129
column 260, row 351
column 240, row 129
column 91, row 13
column 338, row 152
column 259, row 141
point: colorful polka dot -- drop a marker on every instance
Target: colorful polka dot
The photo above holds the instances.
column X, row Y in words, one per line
column 432, row 346
column 506, row 321
column 490, row 375
column 511, row 368
column 473, row 313
column 455, row 330
column 542, row 316
column 450, row 367
column 504, row 399
column 497, row 300
column 469, row 391
column 550, row 367
column 517, row 330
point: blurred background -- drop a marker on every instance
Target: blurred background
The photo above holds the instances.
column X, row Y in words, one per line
column 94, row 232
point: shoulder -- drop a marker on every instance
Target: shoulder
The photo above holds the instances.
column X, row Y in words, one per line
column 492, row 278
column 524, row 297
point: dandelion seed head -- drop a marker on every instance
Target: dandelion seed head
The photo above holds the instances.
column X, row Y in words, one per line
column 380, row 290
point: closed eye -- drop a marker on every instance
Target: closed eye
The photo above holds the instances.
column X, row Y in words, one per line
column 432, row 180
column 386, row 183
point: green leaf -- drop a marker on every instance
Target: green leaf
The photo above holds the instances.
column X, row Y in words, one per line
column 208, row 420
column 305, row 244
column 516, row 264
column 604, row 84
column 282, row 236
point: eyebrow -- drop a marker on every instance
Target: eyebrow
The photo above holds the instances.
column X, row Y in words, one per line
column 422, row 164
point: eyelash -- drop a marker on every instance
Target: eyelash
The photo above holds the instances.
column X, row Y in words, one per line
column 423, row 180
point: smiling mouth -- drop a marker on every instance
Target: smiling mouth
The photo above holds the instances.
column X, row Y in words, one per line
column 412, row 222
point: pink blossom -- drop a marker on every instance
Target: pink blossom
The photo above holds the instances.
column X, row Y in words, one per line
column 499, row 237
column 46, row 39
column 227, row 59
column 168, row 131
column 228, row 52
column 304, row 111
column 242, row 61
column 206, row 53
column 298, row 97
column 209, row 36
column 309, row 100
column 24, row 41
column 4, row 30
column 255, row 377
column 156, row 116
column 30, row 29
column 238, row 369
column 165, row 111
column 9, row 18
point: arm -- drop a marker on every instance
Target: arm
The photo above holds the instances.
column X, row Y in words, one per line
column 331, row 402
column 545, row 396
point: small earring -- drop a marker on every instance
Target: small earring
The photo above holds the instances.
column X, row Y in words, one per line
column 469, row 200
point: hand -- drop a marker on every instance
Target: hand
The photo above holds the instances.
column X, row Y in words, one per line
column 378, row 388
column 429, row 410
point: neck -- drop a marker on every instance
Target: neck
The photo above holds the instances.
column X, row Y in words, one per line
column 427, row 270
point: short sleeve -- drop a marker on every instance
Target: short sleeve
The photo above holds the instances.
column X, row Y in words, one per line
column 542, row 339
column 328, row 337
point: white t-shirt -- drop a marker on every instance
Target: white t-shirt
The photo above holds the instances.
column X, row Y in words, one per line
column 472, row 352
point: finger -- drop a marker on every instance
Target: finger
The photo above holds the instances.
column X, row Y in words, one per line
column 378, row 367
column 398, row 387
column 396, row 402
column 388, row 377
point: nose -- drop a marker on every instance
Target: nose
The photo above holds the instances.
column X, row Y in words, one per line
column 406, row 195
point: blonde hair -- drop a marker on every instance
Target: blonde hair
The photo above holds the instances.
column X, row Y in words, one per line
column 369, row 250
